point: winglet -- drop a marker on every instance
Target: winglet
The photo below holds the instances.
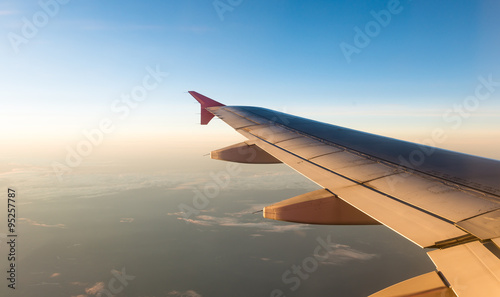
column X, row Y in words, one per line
column 205, row 102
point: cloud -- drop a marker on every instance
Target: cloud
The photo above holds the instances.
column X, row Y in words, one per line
column 340, row 254
column 188, row 293
column 35, row 223
column 126, row 220
column 196, row 222
column 55, row 274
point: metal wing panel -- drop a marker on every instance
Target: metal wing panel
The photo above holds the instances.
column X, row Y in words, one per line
column 444, row 199
column 272, row 133
column 235, row 120
column 485, row 226
column 308, row 148
column 354, row 166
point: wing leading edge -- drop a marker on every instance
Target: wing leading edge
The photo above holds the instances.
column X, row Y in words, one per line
column 436, row 198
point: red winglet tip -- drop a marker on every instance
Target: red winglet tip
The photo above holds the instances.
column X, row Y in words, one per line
column 205, row 102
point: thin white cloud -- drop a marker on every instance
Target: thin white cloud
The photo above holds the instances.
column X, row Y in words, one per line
column 126, row 220
column 196, row 222
column 263, row 226
column 340, row 254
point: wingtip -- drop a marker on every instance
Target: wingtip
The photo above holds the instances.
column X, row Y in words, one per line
column 205, row 102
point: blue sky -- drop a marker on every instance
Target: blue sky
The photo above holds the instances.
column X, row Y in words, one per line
column 284, row 55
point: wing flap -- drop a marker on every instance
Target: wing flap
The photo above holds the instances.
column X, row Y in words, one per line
column 317, row 207
column 244, row 153
column 426, row 285
column 471, row 269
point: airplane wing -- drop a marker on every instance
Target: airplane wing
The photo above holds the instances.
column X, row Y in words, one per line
column 444, row 201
